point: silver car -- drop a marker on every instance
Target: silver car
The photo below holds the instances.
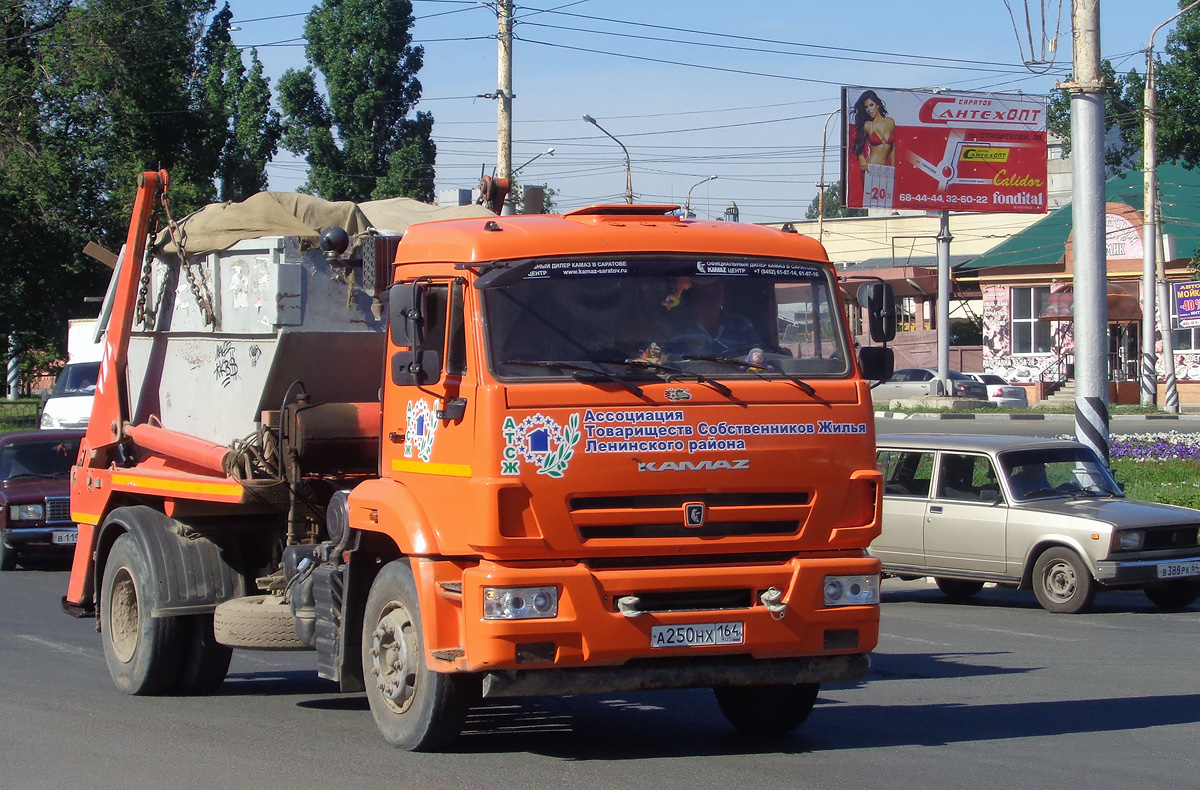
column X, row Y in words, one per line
column 1040, row 513
column 1000, row 392
column 919, row 382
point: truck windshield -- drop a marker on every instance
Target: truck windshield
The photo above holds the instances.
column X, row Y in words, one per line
column 645, row 317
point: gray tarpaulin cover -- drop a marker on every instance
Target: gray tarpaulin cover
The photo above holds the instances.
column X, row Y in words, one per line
column 221, row 225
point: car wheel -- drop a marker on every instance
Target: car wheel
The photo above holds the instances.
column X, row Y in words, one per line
column 1062, row 582
column 143, row 652
column 414, row 707
column 959, row 589
column 767, row 710
column 8, row 557
column 1174, row 594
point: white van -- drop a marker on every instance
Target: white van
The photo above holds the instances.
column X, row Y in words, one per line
column 69, row 404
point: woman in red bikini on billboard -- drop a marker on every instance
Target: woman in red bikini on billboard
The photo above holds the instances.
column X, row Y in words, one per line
column 875, row 137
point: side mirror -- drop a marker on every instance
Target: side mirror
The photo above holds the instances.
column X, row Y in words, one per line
column 411, row 310
column 879, row 300
column 406, row 315
column 876, row 362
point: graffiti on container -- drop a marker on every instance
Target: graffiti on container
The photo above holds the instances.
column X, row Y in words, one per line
column 227, row 366
column 255, row 355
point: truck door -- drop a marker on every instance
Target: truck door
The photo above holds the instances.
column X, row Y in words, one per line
column 964, row 526
column 428, row 408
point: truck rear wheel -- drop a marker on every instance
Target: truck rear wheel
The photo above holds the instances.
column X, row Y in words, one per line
column 414, row 707
column 142, row 652
column 767, row 710
column 205, row 661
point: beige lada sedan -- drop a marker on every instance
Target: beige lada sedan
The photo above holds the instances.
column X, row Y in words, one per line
column 1022, row 512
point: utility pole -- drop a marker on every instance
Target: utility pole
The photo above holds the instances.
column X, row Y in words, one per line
column 1087, row 206
column 504, row 94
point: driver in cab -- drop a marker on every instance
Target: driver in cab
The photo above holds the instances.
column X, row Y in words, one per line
column 701, row 326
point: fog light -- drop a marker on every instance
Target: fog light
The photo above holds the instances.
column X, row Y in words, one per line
column 519, row 603
column 27, row 512
column 851, row 590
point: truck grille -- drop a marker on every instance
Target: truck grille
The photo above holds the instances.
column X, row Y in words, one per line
column 656, row 516
column 58, row 510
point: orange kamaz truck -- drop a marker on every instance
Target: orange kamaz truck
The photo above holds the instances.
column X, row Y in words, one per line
column 493, row 456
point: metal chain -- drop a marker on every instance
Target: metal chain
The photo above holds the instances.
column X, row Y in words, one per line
column 145, row 317
column 203, row 299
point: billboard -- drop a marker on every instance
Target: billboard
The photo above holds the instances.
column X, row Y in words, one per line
column 943, row 150
column 1187, row 304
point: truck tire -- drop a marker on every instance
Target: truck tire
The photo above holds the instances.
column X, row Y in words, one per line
column 205, row 660
column 142, row 652
column 8, row 557
column 958, row 589
column 414, row 707
column 1062, row 582
column 767, row 710
column 257, row 622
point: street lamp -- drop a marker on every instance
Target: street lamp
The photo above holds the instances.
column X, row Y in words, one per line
column 687, row 207
column 1151, row 269
column 821, row 186
column 549, row 151
column 628, row 170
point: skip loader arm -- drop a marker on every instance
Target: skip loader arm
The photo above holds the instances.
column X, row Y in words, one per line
column 110, row 407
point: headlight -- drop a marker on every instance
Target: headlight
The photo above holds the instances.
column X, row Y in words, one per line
column 851, row 590
column 1129, row 539
column 519, row 603
column 26, row 512
column 48, row 421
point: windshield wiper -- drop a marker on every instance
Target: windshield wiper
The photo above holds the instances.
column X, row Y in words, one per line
column 579, row 372
column 757, row 370
column 1093, row 490
column 672, row 372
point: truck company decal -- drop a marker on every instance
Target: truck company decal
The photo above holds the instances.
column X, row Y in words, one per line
column 540, row 441
column 418, row 434
column 691, row 466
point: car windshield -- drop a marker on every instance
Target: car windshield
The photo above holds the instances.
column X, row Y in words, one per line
column 648, row 317
column 1057, row 472
column 38, row 458
column 77, row 379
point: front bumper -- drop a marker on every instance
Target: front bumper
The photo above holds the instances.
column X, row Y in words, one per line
column 590, row 631
column 1142, row 571
column 42, row 536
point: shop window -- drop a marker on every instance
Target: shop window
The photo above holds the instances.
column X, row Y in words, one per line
column 1030, row 335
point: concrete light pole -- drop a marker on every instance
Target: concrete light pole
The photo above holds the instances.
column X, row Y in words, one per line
column 1087, row 206
column 687, row 206
column 1152, row 269
column 628, row 169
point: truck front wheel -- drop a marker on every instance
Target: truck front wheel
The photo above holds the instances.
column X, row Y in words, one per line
column 767, row 710
column 142, row 652
column 414, row 707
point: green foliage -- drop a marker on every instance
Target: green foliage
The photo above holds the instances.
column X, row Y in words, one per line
column 1177, row 78
column 1122, row 113
column 833, row 205
column 360, row 144
column 1172, row 482
column 92, row 93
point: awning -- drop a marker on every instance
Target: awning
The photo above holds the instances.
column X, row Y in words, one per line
column 1044, row 242
column 1123, row 303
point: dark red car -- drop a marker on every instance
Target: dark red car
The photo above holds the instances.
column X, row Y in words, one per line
column 35, row 493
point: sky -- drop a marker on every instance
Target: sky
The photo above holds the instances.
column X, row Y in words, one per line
column 695, row 88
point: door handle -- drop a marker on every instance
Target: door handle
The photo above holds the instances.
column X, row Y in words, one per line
column 935, row 508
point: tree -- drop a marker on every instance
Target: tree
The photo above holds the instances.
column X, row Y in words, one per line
column 833, row 205
column 363, row 50
column 242, row 129
column 1177, row 79
column 1122, row 119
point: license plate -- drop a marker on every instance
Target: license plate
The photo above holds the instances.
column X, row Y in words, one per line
column 1174, row 570
column 64, row 538
column 697, row 634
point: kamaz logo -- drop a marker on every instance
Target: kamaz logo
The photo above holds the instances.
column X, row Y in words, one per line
column 691, row 466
